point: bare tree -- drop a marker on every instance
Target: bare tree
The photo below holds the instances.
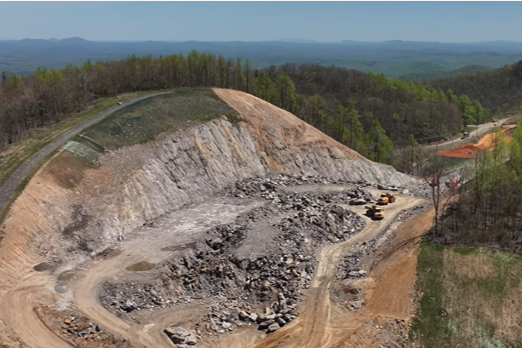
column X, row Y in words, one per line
column 432, row 176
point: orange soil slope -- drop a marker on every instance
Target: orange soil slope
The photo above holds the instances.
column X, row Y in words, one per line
column 470, row 151
column 265, row 119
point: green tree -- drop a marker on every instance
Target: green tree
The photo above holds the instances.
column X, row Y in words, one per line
column 479, row 112
column 352, row 121
column 516, row 149
column 265, row 88
column 315, row 111
column 239, row 76
column 379, row 145
column 452, row 98
column 412, row 155
column 338, row 128
column 285, row 87
column 248, row 76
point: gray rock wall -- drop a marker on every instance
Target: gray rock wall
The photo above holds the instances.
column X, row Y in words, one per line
column 192, row 164
column 142, row 182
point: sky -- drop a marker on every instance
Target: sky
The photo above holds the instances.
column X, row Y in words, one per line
column 259, row 21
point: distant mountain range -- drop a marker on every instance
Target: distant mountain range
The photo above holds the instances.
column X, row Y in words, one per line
column 396, row 58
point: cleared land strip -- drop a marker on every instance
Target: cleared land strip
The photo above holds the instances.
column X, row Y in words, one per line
column 25, row 168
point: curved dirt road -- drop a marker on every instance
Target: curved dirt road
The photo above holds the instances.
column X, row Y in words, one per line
column 17, row 306
column 19, row 174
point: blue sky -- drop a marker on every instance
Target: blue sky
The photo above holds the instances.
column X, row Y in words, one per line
column 257, row 21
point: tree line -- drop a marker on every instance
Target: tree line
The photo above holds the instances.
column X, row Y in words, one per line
column 367, row 112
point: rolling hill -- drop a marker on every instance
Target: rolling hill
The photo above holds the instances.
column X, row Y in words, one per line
column 392, row 58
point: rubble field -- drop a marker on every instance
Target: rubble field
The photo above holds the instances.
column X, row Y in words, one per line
column 251, row 272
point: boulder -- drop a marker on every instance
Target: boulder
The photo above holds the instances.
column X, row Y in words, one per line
column 177, row 335
column 191, row 341
column 264, row 325
column 243, row 316
column 280, row 321
column 273, row 327
column 253, row 317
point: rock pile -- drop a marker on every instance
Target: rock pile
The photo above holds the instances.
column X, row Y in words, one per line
column 272, row 318
column 325, row 224
column 267, row 187
column 350, row 268
column 236, row 286
column 180, row 337
column 387, row 188
column 359, row 196
column 133, row 296
column 76, row 327
column 212, row 269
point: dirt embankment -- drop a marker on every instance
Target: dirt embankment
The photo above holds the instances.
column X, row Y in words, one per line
column 70, row 212
column 487, row 142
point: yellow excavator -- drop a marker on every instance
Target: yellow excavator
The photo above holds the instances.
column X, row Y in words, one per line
column 386, row 198
column 375, row 212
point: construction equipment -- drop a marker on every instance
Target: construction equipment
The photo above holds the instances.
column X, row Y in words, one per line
column 386, row 198
column 383, row 199
column 375, row 212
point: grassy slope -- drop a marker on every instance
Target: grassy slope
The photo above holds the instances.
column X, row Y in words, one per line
column 145, row 120
column 470, row 297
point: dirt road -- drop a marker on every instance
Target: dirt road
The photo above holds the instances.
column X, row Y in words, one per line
column 20, row 173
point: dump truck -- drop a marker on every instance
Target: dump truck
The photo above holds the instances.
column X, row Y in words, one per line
column 386, row 198
column 375, row 212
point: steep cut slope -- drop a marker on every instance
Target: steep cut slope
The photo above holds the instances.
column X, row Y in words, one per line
column 73, row 208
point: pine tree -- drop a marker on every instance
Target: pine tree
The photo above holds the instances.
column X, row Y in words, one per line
column 379, row 145
column 265, row 88
column 287, row 98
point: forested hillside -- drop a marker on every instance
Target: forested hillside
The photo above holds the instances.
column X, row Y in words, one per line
column 367, row 112
column 438, row 73
column 498, row 90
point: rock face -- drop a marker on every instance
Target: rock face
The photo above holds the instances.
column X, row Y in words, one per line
column 135, row 185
